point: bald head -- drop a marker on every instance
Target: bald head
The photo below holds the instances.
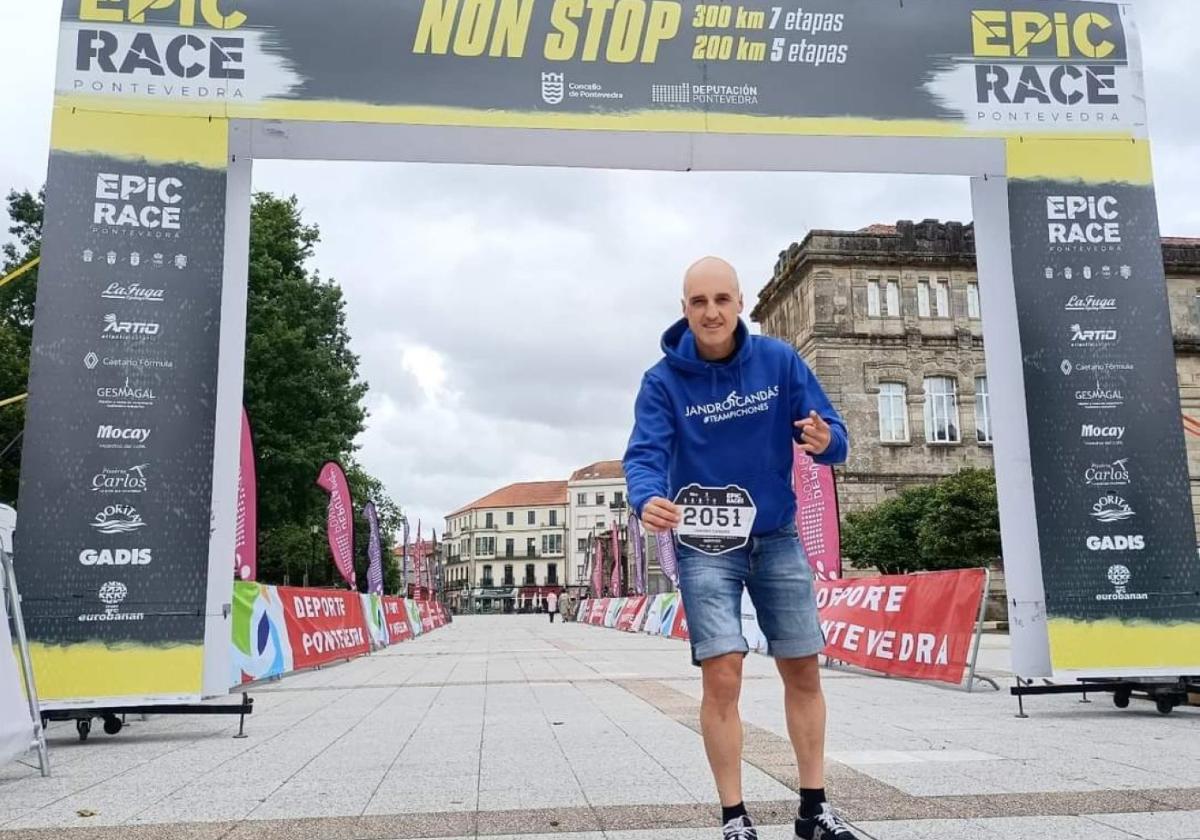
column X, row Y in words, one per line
column 713, row 273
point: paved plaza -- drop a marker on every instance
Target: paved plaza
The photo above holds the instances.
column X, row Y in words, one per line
column 508, row 726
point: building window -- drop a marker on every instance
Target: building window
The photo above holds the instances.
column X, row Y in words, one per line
column 509, row 518
column 941, row 410
column 531, row 547
column 552, row 574
column 619, row 498
column 530, row 575
column 983, row 411
column 943, row 299
column 600, row 521
column 581, row 544
column 508, row 576
column 485, row 545
column 551, row 543
column 553, row 518
column 581, row 522
column 873, row 298
column 487, row 575
column 973, row 300
column 599, row 498
column 581, row 499
column 893, row 413
column 923, row 298
column 893, row 298
column 508, row 548
column 532, row 517
column 488, row 522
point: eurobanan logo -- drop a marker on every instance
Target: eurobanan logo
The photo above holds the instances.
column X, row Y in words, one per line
column 1039, row 58
column 734, row 406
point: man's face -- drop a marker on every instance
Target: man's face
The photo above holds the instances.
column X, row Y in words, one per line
column 712, row 302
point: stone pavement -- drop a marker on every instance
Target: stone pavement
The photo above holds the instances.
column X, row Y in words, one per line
column 510, row 727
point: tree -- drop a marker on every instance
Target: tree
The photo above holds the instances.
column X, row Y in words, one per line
column 25, row 212
column 952, row 524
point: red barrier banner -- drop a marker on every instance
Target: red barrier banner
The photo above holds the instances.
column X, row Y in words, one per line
column 599, row 610
column 427, row 625
column 679, row 624
column 917, row 626
column 629, row 613
column 324, row 625
column 396, row 615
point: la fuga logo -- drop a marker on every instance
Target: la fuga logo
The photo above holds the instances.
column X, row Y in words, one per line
column 1090, row 303
column 133, row 292
column 1118, row 542
column 115, row 557
column 147, row 204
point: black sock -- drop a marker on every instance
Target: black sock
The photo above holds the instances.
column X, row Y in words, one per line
column 811, row 800
column 733, row 812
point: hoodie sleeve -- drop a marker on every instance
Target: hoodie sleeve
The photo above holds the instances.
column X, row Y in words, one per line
column 648, row 455
column 808, row 395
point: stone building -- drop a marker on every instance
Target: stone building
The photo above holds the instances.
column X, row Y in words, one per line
column 889, row 318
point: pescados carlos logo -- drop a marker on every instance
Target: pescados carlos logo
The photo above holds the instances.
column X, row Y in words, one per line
column 733, row 406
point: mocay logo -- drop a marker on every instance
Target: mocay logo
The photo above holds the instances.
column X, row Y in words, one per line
column 115, row 557
column 1119, row 542
column 1111, row 508
column 118, row 519
column 120, row 434
column 1090, row 431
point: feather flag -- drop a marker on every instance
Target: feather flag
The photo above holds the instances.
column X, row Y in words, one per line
column 404, row 561
column 374, row 551
column 639, row 556
column 339, row 519
column 614, row 587
column 598, row 568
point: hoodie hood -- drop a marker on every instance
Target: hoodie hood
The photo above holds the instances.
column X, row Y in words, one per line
column 679, row 346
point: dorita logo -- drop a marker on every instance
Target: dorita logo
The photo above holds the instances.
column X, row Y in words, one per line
column 1083, row 220
column 1090, row 303
column 133, row 292
column 115, row 557
column 1115, row 474
column 1090, row 431
column 1111, row 508
column 118, row 519
column 131, row 480
column 138, row 202
column 1120, row 542
column 116, row 437
column 116, row 329
column 553, row 87
column 1032, row 58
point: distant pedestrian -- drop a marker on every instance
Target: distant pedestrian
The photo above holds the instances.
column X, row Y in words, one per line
column 552, row 605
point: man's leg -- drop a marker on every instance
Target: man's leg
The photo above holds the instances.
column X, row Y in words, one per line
column 804, row 703
column 721, row 724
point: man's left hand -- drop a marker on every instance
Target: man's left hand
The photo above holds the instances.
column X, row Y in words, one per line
column 814, row 433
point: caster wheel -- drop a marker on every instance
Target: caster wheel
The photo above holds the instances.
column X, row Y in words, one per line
column 84, row 728
column 112, row 725
column 1164, row 705
column 1121, row 699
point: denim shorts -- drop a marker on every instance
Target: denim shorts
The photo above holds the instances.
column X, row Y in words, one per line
column 775, row 571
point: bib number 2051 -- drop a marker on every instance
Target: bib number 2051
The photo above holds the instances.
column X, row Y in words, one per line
column 715, row 520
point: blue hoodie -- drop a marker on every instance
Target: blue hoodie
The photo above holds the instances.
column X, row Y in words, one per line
column 719, row 423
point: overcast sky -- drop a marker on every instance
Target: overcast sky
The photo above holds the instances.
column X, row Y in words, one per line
column 503, row 316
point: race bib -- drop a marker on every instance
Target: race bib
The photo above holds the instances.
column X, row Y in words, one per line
column 715, row 520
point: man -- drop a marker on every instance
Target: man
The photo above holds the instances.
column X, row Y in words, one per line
column 552, row 605
column 721, row 410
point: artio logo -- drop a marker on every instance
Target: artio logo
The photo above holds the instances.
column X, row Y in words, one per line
column 139, row 202
column 1111, row 508
column 1080, row 336
column 553, row 87
column 117, row 329
column 1120, row 542
column 115, row 557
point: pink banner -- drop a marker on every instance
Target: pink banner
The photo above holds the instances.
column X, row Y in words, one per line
column 614, row 585
column 340, row 519
column 817, row 515
column 597, row 568
column 245, row 549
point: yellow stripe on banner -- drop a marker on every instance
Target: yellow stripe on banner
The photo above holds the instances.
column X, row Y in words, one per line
column 203, row 141
column 1094, row 160
column 12, row 400
column 1095, row 645
column 25, row 269
column 91, row 669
